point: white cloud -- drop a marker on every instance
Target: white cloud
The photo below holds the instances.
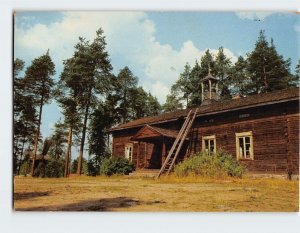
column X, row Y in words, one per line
column 130, row 40
column 254, row 15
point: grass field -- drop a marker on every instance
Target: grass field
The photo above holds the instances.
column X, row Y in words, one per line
column 125, row 193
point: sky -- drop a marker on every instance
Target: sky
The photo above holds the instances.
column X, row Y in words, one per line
column 154, row 45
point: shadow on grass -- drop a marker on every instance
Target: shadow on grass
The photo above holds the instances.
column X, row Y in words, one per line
column 23, row 196
column 104, row 204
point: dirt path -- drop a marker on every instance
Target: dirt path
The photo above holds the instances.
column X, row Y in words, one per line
column 141, row 194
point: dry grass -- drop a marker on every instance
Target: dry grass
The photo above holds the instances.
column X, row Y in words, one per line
column 167, row 194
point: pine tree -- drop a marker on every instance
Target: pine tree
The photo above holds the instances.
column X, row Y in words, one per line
column 239, row 77
column 90, row 69
column 267, row 69
column 58, row 139
column 102, row 119
column 222, row 67
column 183, row 85
column 67, row 93
column 24, row 116
column 126, row 83
column 153, row 107
column 195, row 98
column 39, row 84
column 207, row 62
column 172, row 103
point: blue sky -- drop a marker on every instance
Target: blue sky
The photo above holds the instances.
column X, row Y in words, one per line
column 154, row 45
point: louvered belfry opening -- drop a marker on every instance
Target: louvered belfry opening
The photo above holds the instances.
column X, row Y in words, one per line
column 209, row 89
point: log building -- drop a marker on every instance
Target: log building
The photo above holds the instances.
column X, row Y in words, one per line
column 261, row 131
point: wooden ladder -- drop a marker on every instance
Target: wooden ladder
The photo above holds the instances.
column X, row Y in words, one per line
column 175, row 149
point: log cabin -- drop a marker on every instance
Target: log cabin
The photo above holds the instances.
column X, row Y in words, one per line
column 261, row 131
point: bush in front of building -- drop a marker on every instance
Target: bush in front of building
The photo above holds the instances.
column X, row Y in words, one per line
column 118, row 165
column 220, row 164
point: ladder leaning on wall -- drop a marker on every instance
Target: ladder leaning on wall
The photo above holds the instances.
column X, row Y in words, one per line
column 175, row 149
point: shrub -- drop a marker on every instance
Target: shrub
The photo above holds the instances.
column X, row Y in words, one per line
column 25, row 168
column 119, row 165
column 54, row 168
column 93, row 168
column 201, row 164
column 74, row 166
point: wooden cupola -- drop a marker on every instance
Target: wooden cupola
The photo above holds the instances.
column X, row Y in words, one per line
column 209, row 86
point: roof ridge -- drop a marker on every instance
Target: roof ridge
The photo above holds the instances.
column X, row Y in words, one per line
column 225, row 105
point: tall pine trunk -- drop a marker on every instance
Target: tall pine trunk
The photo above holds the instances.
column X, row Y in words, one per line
column 37, row 135
column 79, row 166
column 68, row 155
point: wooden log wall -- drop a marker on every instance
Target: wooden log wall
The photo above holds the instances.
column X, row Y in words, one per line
column 275, row 130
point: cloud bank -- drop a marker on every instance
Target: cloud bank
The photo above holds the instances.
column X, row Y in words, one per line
column 130, row 38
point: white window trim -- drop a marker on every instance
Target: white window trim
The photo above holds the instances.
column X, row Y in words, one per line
column 126, row 146
column 240, row 135
column 210, row 137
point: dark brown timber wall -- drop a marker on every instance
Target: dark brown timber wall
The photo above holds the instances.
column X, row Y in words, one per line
column 275, row 130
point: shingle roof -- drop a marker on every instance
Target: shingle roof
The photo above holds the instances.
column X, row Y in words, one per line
column 217, row 107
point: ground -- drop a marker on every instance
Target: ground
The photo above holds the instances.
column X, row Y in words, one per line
column 125, row 193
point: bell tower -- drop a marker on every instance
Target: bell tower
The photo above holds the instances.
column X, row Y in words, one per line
column 209, row 86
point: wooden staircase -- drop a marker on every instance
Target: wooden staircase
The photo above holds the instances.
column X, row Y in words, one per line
column 175, row 149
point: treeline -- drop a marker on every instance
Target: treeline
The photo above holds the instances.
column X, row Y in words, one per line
column 262, row 70
column 91, row 98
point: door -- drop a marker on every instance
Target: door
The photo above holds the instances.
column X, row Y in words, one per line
column 129, row 151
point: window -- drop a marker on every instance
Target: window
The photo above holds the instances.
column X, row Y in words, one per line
column 129, row 151
column 244, row 145
column 209, row 144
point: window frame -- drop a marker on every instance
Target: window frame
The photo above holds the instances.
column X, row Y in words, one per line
column 129, row 145
column 251, row 151
column 209, row 137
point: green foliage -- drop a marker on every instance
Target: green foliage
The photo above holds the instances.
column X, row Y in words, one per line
column 172, row 103
column 55, row 168
column 223, row 66
column 75, row 164
column 261, row 70
column 297, row 75
column 86, row 77
column 184, row 84
column 267, row 69
column 202, row 164
column 102, row 119
column 131, row 101
column 25, row 168
column 93, row 169
column 49, row 168
column 239, row 78
column 188, row 86
column 93, row 164
column 24, row 114
column 38, row 80
column 119, row 165
column 58, row 140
